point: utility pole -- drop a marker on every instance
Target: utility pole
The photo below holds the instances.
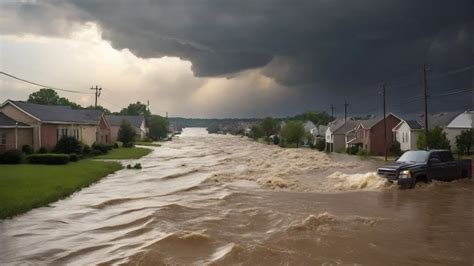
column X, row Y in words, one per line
column 425, row 97
column 97, row 93
column 332, row 111
column 167, row 124
column 384, row 123
column 345, row 110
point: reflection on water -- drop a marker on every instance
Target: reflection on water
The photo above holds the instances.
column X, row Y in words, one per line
column 223, row 199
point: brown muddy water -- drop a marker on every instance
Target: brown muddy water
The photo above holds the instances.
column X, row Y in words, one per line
column 207, row 199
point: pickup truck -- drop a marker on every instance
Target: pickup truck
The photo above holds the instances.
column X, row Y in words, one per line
column 420, row 165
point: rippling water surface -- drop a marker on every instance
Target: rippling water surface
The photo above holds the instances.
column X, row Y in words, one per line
column 223, row 199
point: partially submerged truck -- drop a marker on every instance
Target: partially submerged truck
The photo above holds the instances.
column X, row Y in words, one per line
column 425, row 165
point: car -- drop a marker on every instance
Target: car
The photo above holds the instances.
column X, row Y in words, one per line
column 425, row 165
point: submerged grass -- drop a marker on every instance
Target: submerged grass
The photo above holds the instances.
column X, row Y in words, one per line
column 124, row 153
column 27, row 186
column 144, row 143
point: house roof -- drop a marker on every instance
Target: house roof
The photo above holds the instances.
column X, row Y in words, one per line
column 7, row 122
column 59, row 114
column 116, row 120
column 369, row 123
column 334, row 125
column 464, row 120
column 441, row 119
column 308, row 125
column 413, row 124
column 348, row 126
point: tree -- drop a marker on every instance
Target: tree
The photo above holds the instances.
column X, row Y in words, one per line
column 320, row 144
column 464, row 142
column 126, row 133
column 158, row 127
column 315, row 116
column 437, row 139
column 269, row 126
column 50, row 97
column 256, row 132
column 292, row 132
column 137, row 108
column 98, row 107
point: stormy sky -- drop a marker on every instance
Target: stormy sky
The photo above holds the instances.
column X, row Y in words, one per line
column 245, row 58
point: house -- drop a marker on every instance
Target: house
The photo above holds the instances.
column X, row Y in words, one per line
column 138, row 122
column 317, row 131
column 460, row 123
column 336, row 134
column 14, row 134
column 308, row 126
column 406, row 133
column 369, row 134
column 49, row 123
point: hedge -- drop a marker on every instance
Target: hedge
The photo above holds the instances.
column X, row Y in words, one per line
column 48, row 158
column 11, row 157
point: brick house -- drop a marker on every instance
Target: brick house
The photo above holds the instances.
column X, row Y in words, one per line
column 49, row 123
column 369, row 134
column 138, row 123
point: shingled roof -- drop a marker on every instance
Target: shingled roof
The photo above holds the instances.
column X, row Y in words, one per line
column 59, row 114
column 116, row 120
column 8, row 122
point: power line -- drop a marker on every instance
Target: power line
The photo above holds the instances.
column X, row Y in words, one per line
column 40, row 85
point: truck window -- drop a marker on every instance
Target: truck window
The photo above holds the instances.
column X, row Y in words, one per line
column 446, row 156
column 435, row 155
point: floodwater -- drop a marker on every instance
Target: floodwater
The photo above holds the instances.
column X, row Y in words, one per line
column 212, row 199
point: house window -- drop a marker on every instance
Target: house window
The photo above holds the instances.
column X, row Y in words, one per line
column 3, row 138
column 61, row 132
column 75, row 133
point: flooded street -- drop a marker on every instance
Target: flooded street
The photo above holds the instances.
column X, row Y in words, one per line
column 224, row 199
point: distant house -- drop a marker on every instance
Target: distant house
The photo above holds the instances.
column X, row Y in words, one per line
column 317, row 131
column 138, row 123
column 406, row 133
column 308, row 126
column 336, row 134
column 369, row 134
column 460, row 123
column 49, row 123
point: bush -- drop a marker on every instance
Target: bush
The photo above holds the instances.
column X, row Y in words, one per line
column 49, row 158
column 353, row 150
column 104, row 148
column 96, row 152
column 137, row 166
column 363, row 153
column 116, row 146
column 129, row 166
column 147, row 139
column 320, row 144
column 11, row 157
column 68, row 145
column 73, row 157
column 395, row 148
column 27, row 149
column 86, row 149
column 128, row 145
column 276, row 140
column 42, row 150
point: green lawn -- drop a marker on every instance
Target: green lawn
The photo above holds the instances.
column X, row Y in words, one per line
column 144, row 143
column 27, row 186
column 124, row 153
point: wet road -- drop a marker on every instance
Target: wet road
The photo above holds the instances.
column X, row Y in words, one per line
column 224, row 199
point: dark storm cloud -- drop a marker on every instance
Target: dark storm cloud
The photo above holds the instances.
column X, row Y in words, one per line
column 312, row 45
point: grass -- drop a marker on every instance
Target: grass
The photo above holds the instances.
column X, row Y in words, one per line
column 27, row 186
column 124, row 153
column 144, row 143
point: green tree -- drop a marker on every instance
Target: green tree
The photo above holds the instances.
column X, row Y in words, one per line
column 315, row 116
column 464, row 142
column 293, row 132
column 269, row 126
column 50, row 97
column 158, row 127
column 436, row 139
column 256, row 132
column 395, row 148
column 137, row 108
column 126, row 133
column 99, row 107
